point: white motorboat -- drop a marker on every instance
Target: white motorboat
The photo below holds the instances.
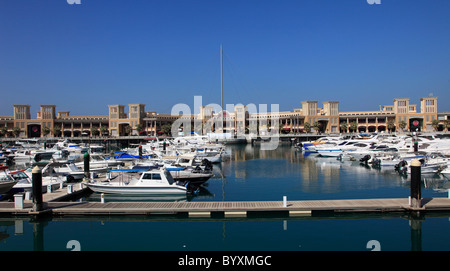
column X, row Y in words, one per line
column 385, row 159
column 426, row 168
column 446, row 172
column 6, row 183
column 188, row 168
column 64, row 169
column 373, row 151
column 428, row 144
column 98, row 161
column 310, row 146
column 153, row 182
column 25, row 184
column 22, row 156
column 184, row 168
column 329, row 152
column 344, row 146
column 212, row 153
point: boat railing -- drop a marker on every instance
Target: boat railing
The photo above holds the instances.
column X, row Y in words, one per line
column 124, row 176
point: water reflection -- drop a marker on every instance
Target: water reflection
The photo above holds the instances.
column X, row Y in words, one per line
column 319, row 232
column 313, row 174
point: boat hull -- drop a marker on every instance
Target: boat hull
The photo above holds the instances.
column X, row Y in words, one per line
column 137, row 190
column 446, row 173
column 6, row 186
column 330, row 153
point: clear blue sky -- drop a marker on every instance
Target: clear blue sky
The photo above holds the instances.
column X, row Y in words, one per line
column 163, row 52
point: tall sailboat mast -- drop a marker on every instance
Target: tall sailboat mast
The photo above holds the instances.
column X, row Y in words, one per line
column 221, row 77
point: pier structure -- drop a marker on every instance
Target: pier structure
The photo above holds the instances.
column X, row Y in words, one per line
column 401, row 116
column 228, row 208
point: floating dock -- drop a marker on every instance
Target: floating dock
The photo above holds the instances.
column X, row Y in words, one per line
column 226, row 208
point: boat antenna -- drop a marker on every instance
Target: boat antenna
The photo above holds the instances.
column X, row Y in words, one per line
column 221, row 77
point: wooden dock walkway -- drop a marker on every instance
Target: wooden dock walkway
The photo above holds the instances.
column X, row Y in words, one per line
column 227, row 209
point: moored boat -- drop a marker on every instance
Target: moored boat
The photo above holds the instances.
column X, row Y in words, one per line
column 6, row 183
column 153, row 182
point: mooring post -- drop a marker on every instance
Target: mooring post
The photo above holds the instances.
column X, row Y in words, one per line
column 415, row 183
column 86, row 165
column 140, row 151
column 416, row 232
column 18, row 201
column 284, row 201
column 69, row 188
column 37, row 189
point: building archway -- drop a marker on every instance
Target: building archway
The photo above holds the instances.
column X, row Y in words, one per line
column 381, row 128
column 415, row 124
column 323, row 125
column 34, row 130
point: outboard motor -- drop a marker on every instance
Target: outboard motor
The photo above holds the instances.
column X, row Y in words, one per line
column 365, row 159
column 197, row 169
column 376, row 162
column 208, row 165
column 401, row 167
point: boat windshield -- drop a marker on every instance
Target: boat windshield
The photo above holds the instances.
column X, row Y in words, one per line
column 361, row 145
column 184, row 160
column 19, row 176
column 4, row 177
column 156, row 176
column 72, row 167
column 151, row 176
column 168, row 176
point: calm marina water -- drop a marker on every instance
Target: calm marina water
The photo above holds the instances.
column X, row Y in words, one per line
column 251, row 174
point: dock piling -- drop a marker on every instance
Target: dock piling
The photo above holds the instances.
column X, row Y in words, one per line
column 18, row 201
column 86, row 165
column 37, row 189
column 415, row 183
column 284, row 201
column 69, row 188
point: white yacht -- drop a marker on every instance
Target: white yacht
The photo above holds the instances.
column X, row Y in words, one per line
column 6, row 182
column 64, row 169
column 25, row 184
column 153, row 182
column 446, row 172
column 344, row 146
